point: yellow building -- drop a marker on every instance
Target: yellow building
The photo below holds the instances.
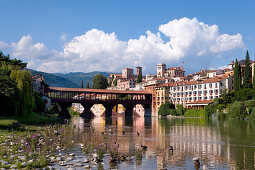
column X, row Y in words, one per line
column 162, row 95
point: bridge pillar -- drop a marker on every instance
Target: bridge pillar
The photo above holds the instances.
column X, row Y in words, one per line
column 87, row 113
column 147, row 110
column 129, row 112
column 64, row 111
column 108, row 110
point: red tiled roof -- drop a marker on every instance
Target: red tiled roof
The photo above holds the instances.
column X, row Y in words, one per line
column 201, row 102
column 98, row 90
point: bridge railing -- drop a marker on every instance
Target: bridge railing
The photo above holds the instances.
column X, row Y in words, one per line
column 83, row 96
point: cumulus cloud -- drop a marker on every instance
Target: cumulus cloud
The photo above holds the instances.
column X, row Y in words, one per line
column 179, row 39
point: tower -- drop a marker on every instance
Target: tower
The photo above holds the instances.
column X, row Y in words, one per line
column 161, row 69
column 139, row 70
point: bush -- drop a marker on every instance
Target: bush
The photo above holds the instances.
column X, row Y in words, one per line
column 237, row 110
column 39, row 103
column 164, row 109
column 72, row 112
column 251, row 116
column 179, row 109
column 210, row 109
column 195, row 113
column 173, row 112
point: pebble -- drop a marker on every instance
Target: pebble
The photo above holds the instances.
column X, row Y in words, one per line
column 62, row 163
column 72, row 154
column 86, row 161
column 78, row 164
column 23, row 158
column 23, row 164
column 14, row 166
column 95, row 155
column 69, row 159
column 30, row 161
column 59, row 159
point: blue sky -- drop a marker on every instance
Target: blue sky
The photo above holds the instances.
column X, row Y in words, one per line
column 44, row 22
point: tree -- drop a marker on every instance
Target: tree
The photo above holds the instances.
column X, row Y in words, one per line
column 139, row 78
column 82, row 84
column 115, row 82
column 237, row 76
column 247, row 72
column 253, row 84
column 166, row 109
column 99, row 82
column 87, row 85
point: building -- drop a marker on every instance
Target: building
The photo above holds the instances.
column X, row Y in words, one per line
column 139, row 71
column 175, row 72
column 127, row 73
column 195, row 94
column 161, row 70
column 123, row 84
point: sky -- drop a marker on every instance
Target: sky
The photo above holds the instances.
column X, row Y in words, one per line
column 83, row 35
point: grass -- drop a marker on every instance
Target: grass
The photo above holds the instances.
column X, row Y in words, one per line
column 32, row 119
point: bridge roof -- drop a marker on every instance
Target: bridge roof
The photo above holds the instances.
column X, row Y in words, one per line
column 98, row 90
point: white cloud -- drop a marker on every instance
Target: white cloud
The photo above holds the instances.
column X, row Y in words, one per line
column 188, row 39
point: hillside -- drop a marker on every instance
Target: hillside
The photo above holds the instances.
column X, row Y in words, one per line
column 77, row 77
column 54, row 80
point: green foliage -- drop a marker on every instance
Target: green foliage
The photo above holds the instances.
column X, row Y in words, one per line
column 164, row 109
column 87, row 85
column 39, row 103
column 253, row 83
column 179, row 109
column 53, row 109
column 237, row 110
column 139, row 78
column 82, row 84
column 247, row 72
column 115, row 82
column 195, row 113
column 99, row 82
column 210, row 109
column 244, row 95
column 72, row 112
column 237, row 76
column 6, row 59
column 251, row 116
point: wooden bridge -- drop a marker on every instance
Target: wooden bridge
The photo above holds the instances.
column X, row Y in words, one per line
column 108, row 98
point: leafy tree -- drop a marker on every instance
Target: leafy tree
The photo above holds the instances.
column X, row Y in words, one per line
column 115, row 82
column 247, row 72
column 253, row 84
column 39, row 103
column 166, row 109
column 87, row 85
column 6, row 59
column 139, row 78
column 179, row 109
column 82, row 84
column 237, row 76
column 99, row 82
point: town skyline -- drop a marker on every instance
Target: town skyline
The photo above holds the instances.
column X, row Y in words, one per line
column 82, row 38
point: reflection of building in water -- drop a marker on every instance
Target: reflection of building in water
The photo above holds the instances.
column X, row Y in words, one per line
column 78, row 122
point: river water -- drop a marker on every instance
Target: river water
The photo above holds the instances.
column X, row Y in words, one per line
column 219, row 144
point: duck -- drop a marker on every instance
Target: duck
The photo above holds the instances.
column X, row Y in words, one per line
column 171, row 148
column 196, row 162
column 116, row 145
column 138, row 133
column 144, row 147
column 123, row 132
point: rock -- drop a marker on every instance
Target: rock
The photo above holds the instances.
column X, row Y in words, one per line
column 58, row 148
column 49, row 167
column 62, row 163
column 72, row 154
column 87, row 167
column 69, row 168
column 78, row 164
column 69, row 159
column 4, row 144
column 30, row 161
column 23, row 164
column 59, row 159
column 95, row 155
column 22, row 158
column 86, row 161
column 14, row 166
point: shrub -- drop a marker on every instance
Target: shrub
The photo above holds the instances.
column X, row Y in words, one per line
column 210, row 109
column 179, row 109
column 195, row 113
column 165, row 109
column 173, row 112
column 251, row 116
column 237, row 110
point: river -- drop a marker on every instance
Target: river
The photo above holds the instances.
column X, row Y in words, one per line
column 219, row 144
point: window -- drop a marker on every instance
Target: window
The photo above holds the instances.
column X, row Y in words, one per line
column 211, row 97
column 199, row 92
column 195, row 86
column 186, row 93
column 205, row 86
column 190, row 93
column 200, row 98
column 210, row 85
column 194, row 92
column 216, row 84
column 194, row 98
column 210, row 91
column 205, row 91
column 216, row 91
column 221, row 84
column 199, row 86
column 205, row 98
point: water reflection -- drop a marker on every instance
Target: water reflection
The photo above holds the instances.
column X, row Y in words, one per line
column 220, row 145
